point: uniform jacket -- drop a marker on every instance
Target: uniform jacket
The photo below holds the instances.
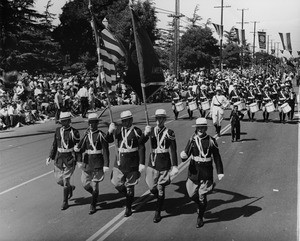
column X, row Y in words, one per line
column 64, row 140
column 95, row 150
column 130, row 139
column 164, row 149
column 203, row 170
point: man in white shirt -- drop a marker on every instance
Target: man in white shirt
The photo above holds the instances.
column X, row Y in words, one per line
column 84, row 100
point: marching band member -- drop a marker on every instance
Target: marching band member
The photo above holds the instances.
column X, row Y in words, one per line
column 283, row 97
column 95, row 161
column 189, row 98
column 163, row 161
column 175, row 99
column 202, row 96
column 250, row 98
column 259, row 92
column 201, row 149
column 218, row 104
column 291, row 101
column 130, row 161
column 274, row 93
column 234, row 95
column 266, row 98
column 62, row 152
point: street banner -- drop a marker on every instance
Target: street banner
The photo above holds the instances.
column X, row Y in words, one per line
column 286, row 41
column 262, row 40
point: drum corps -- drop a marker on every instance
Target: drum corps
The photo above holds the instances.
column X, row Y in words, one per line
column 207, row 98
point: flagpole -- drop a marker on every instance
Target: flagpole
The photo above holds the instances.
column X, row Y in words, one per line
column 141, row 69
column 101, row 72
column 139, row 57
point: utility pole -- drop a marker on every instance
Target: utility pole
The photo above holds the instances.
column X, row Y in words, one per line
column 243, row 31
column 277, row 48
column 254, row 33
column 221, row 37
column 176, row 17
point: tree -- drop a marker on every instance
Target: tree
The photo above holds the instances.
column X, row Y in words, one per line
column 75, row 33
column 197, row 48
column 26, row 38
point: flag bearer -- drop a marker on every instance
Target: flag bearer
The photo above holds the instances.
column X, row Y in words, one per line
column 95, row 158
column 163, row 161
column 130, row 161
column 62, row 152
column 201, row 149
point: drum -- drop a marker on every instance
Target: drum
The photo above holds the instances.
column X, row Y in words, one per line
column 270, row 107
column 205, row 105
column 179, row 106
column 253, row 107
column 192, row 105
column 285, row 108
column 239, row 105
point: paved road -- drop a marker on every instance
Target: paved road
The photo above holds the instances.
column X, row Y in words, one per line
column 257, row 199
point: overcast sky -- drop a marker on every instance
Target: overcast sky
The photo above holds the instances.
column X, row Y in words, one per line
column 273, row 16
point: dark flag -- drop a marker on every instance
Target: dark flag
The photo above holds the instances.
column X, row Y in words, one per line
column 286, row 41
column 240, row 35
column 262, row 40
column 146, row 61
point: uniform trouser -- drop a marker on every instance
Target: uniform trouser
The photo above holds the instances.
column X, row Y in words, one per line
column 57, row 113
column 198, row 193
column 124, row 182
column 157, row 180
column 236, row 131
column 291, row 113
column 84, row 105
column 217, row 115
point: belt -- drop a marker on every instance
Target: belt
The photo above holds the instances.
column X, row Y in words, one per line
column 160, row 150
column 124, row 150
column 62, row 150
column 93, row 152
column 216, row 105
column 201, row 159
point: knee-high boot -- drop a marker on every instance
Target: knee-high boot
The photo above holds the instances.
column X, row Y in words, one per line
column 160, row 203
column 94, row 202
column 65, row 204
column 129, row 201
column 201, row 210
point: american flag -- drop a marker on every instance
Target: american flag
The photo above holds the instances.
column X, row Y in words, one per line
column 111, row 51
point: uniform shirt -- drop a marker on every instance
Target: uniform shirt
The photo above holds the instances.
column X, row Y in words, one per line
column 218, row 100
column 164, row 149
column 207, row 148
column 129, row 139
column 64, row 139
column 95, row 150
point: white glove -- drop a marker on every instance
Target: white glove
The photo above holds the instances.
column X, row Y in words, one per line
column 111, row 128
column 141, row 167
column 183, row 155
column 105, row 169
column 48, row 161
column 76, row 149
column 174, row 171
column 147, row 130
column 220, row 176
column 79, row 165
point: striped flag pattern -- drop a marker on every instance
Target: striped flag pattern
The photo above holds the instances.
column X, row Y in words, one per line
column 286, row 41
column 219, row 29
column 111, row 51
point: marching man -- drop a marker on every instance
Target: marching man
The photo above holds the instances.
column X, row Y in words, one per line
column 62, row 152
column 218, row 105
column 130, row 161
column 201, row 149
column 95, row 160
column 163, row 161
